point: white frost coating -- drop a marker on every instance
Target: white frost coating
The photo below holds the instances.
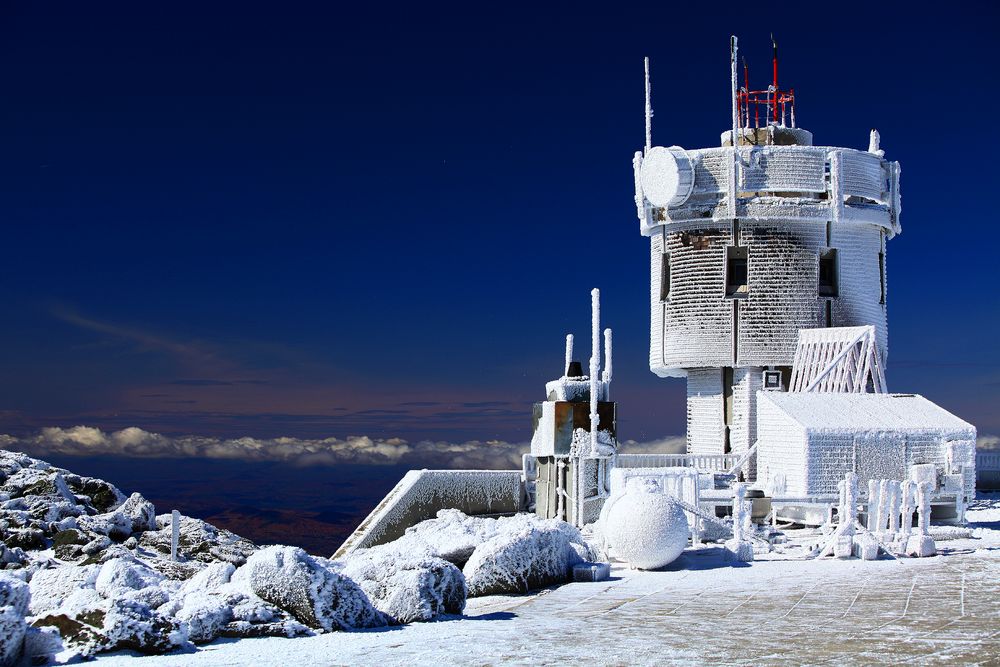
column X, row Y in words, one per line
column 893, row 508
column 884, row 492
column 873, row 143
column 906, row 510
column 569, row 354
column 293, row 580
column 407, row 585
column 666, row 176
column 595, row 364
column 647, row 529
column 14, row 597
column 649, row 108
column 922, row 544
column 50, row 588
column 740, row 548
column 873, row 503
column 175, row 533
column 607, row 358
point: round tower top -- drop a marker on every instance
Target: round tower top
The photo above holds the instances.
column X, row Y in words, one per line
column 770, row 135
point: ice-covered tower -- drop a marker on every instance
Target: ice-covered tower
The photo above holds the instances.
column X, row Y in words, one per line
column 749, row 245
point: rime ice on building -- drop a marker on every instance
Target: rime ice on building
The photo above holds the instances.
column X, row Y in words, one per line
column 749, row 247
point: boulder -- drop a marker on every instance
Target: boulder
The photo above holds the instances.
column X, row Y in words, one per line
column 136, row 514
column 50, row 588
column 134, row 626
column 526, row 553
column 407, row 586
column 120, row 575
column 198, row 541
column 316, row 596
column 14, row 601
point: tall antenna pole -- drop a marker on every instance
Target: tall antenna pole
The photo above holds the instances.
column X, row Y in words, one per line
column 774, row 62
column 595, row 363
column 649, row 112
column 734, row 172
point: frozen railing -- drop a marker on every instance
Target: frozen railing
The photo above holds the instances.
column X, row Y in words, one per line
column 700, row 462
column 987, row 461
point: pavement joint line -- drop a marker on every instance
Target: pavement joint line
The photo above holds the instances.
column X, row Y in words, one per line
column 962, row 596
column 742, row 603
column 856, row 597
column 906, row 608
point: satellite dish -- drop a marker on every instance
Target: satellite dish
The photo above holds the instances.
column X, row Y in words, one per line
column 666, row 176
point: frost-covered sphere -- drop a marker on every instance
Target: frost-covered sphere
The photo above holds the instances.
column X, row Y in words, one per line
column 649, row 530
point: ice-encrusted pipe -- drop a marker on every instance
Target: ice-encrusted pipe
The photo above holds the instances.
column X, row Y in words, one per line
column 872, row 504
column 924, row 508
column 175, row 533
column 894, row 507
column 906, row 508
column 606, row 376
column 595, row 364
column 883, row 506
column 569, row 354
column 851, row 497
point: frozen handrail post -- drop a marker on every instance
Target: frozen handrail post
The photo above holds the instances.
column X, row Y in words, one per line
column 175, row 533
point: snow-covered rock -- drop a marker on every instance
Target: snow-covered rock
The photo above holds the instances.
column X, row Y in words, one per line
column 50, row 588
column 452, row 536
column 525, row 553
column 291, row 579
column 135, row 515
column 197, row 541
column 407, row 586
column 14, row 601
column 120, row 575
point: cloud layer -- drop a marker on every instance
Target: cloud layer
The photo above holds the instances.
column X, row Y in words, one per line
column 138, row 443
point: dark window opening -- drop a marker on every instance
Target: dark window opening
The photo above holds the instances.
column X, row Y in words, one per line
column 665, row 276
column 736, row 271
column 828, row 273
column 881, row 277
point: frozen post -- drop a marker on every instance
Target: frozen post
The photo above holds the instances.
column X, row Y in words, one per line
column 175, row 533
column 569, row 353
column 843, row 546
column 894, row 508
column 906, row 510
column 872, row 504
column 595, row 364
column 740, row 548
column 883, row 506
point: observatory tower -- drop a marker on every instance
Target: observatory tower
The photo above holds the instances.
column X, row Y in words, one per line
column 750, row 244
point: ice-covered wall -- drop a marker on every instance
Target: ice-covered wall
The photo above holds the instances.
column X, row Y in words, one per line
column 878, row 436
column 705, row 419
column 743, row 430
column 693, row 326
column 781, row 464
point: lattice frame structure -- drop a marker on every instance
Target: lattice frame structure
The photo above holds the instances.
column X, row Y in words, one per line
column 838, row 360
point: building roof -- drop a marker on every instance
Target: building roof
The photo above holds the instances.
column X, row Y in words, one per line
column 864, row 412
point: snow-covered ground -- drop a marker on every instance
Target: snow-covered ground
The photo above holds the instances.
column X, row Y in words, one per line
column 701, row 609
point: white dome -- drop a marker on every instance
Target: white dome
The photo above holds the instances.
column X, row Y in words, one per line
column 649, row 530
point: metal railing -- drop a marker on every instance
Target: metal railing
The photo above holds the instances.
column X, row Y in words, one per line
column 700, row 462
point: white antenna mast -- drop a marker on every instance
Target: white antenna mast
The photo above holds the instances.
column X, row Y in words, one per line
column 607, row 355
column 595, row 363
column 734, row 175
column 569, row 353
column 649, row 112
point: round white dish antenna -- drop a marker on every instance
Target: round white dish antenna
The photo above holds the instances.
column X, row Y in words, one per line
column 666, row 176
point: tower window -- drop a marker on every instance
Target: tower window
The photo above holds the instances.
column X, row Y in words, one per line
column 881, row 277
column 828, row 273
column 736, row 271
column 665, row 276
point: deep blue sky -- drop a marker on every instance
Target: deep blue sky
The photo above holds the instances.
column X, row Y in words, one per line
column 320, row 219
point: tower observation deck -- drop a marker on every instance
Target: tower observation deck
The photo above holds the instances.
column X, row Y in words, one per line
column 749, row 244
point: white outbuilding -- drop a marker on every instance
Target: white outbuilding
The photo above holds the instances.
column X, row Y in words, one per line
column 808, row 441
